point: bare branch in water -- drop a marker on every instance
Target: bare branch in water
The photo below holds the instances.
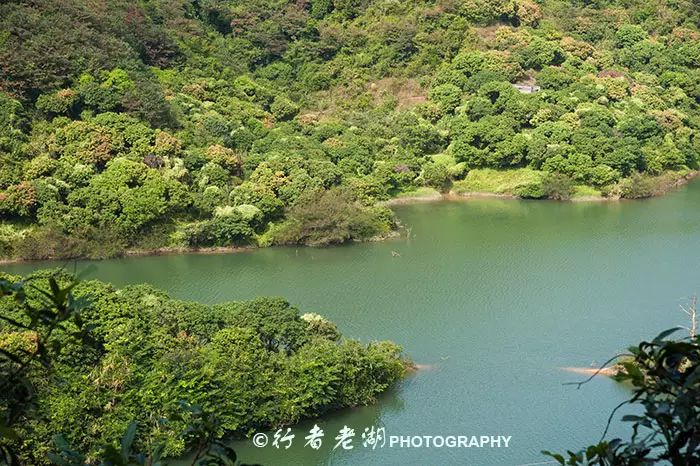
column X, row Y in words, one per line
column 597, row 372
column 692, row 311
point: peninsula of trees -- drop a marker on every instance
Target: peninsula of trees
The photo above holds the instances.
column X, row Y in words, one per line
column 86, row 361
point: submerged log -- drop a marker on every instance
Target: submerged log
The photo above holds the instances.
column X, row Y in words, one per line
column 611, row 371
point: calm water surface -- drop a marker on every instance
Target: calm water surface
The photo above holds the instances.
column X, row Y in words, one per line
column 495, row 296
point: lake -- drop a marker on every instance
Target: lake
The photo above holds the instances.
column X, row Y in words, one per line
column 494, row 296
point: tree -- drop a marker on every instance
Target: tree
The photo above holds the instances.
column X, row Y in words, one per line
column 486, row 11
column 557, row 186
column 222, row 230
column 436, row 175
column 555, row 78
column 540, row 53
column 476, row 141
column 446, row 96
column 263, row 102
column 275, row 322
column 630, row 34
column 36, row 343
column 283, row 108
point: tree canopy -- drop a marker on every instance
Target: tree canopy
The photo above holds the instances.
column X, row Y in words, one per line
column 212, row 123
column 88, row 361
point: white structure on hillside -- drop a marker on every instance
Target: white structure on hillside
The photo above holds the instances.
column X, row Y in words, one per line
column 527, row 88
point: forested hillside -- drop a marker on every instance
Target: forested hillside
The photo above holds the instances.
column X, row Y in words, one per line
column 173, row 123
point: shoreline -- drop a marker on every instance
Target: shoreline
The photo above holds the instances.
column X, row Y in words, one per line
column 466, row 196
column 147, row 253
column 172, row 251
column 424, row 198
column 441, row 197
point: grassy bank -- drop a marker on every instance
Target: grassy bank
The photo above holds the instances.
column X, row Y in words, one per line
column 526, row 183
column 511, row 183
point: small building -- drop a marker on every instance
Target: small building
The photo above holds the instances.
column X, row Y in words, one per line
column 527, row 88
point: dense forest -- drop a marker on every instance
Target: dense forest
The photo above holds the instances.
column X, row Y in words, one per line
column 85, row 360
column 186, row 124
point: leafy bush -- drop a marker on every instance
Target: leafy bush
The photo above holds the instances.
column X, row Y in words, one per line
column 283, row 108
column 532, row 191
column 224, row 230
column 557, row 186
column 637, row 186
column 437, row 175
column 446, row 96
column 57, row 103
column 331, row 217
column 629, row 34
column 50, row 242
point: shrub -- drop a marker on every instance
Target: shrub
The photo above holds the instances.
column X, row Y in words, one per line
column 557, row 186
column 51, row 242
column 531, row 191
column 554, row 78
column 57, row 103
column 629, row 34
column 283, row 108
column 20, row 200
column 637, row 186
column 436, row 175
column 602, row 175
column 318, row 325
column 224, row 230
column 331, row 217
column 257, row 364
column 9, row 238
column 446, row 96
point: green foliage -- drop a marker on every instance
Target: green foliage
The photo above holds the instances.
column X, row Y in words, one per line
column 437, row 175
column 638, row 186
column 332, row 217
column 532, row 191
column 602, row 175
column 12, row 119
column 31, row 340
column 220, row 105
column 446, row 96
column 630, row 34
column 557, row 186
column 249, row 365
column 540, row 53
column 555, row 78
column 283, row 108
column 57, row 103
column 509, row 182
column 220, row 231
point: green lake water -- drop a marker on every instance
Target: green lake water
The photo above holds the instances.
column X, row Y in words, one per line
column 495, row 296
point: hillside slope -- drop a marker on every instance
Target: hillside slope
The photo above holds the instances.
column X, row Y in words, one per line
column 177, row 123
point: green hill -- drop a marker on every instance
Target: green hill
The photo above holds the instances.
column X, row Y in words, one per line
column 166, row 123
